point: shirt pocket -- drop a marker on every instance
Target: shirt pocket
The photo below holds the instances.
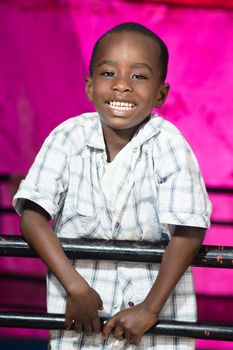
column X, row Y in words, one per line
column 79, row 225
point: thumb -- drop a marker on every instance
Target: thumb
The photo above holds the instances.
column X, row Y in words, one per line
column 109, row 325
column 68, row 322
column 100, row 307
column 68, row 317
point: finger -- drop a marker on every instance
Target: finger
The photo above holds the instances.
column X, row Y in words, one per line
column 96, row 324
column 87, row 327
column 100, row 307
column 137, row 340
column 69, row 325
column 78, row 327
column 109, row 325
column 132, row 338
column 119, row 333
column 68, row 321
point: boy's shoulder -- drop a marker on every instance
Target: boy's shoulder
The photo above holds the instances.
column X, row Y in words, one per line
column 76, row 132
column 164, row 128
column 166, row 136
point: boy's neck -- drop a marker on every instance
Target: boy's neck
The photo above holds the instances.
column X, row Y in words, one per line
column 115, row 140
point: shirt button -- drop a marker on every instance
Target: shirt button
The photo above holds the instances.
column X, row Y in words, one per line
column 115, row 306
column 130, row 303
column 134, row 149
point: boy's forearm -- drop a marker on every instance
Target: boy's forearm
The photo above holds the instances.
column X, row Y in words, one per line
column 40, row 236
column 179, row 254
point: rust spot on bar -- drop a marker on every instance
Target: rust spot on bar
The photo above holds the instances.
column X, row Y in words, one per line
column 207, row 333
column 219, row 259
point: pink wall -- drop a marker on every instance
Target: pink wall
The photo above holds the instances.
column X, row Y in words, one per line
column 45, row 48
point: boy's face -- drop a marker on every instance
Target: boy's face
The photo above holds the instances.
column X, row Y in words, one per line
column 126, row 82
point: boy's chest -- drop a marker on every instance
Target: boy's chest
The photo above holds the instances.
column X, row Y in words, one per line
column 131, row 214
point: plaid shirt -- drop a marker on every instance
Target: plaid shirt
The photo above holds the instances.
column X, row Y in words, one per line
column 160, row 185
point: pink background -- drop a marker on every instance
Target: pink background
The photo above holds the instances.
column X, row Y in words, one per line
column 45, row 47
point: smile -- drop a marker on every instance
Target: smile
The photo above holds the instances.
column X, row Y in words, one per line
column 121, row 106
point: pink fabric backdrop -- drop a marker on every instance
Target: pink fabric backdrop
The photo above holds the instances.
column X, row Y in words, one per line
column 45, row 48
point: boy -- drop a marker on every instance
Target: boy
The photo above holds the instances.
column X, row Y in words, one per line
column 122, row 174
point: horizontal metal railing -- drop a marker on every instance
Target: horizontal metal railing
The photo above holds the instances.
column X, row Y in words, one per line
column 208, row 256
column 196, row 330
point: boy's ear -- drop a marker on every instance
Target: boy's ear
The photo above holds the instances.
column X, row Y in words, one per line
column 89, row 94
column 162, row 95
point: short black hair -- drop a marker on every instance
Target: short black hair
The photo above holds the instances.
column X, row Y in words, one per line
column 135, row 28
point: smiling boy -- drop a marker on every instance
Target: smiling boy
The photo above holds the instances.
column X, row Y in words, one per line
column 119, row 174
column 126, row 83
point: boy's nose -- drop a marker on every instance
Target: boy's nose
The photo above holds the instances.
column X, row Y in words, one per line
column 122, row 85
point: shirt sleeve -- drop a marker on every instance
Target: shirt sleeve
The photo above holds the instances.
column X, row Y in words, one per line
column 47, row 179
column 183, row 198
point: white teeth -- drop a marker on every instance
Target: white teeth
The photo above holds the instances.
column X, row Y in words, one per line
column 123, row 106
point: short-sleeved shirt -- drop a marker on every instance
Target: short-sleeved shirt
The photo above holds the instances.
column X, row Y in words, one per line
column 159, row 185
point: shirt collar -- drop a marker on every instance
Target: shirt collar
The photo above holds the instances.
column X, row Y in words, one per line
column 149, row 129
column 95, row 138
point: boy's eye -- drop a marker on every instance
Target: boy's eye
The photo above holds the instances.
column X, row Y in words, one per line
column 139, row 77
column 108, row 74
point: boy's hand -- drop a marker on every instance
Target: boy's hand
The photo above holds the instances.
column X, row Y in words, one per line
column 131, row 324
column 82, row 308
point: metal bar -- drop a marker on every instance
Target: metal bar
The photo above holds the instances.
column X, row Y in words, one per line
column 208, row 256
column 222, row 222
column 170, row 328
column 4, row 177
column 219, row 190
column 7, row 210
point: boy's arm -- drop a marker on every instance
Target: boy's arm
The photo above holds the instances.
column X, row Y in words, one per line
column 132, row 323
column 83, row 302
column 178, row 256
